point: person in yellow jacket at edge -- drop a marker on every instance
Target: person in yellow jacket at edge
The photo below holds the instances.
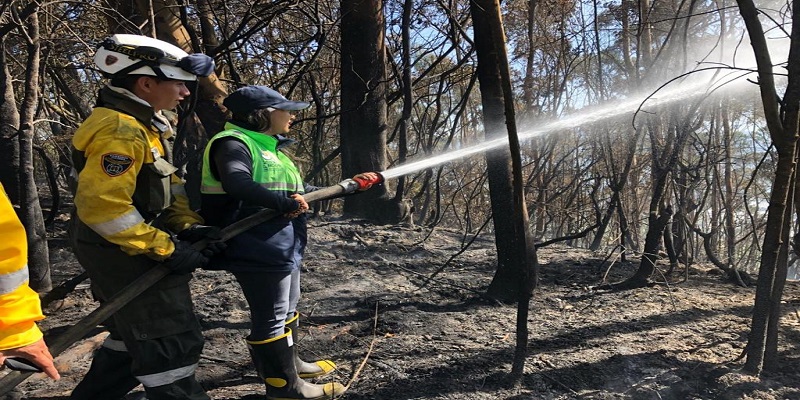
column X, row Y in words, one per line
column 19, row 304
column 128, row 206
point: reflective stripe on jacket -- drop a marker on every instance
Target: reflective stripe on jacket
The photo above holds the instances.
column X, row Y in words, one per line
column 19, row 304
column 124, row 183
column 167, row 377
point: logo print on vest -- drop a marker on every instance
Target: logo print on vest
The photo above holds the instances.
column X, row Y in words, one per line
column 267, row 156
column 116, row 164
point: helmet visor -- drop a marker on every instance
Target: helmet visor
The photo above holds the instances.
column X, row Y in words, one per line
column 197, row 64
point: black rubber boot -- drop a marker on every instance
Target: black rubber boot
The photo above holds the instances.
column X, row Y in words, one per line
column 274, row 361
column 307, row 370
column 109, row 377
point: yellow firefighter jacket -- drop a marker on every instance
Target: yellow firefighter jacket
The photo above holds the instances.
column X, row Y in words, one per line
column 19, row 304
column 123, row 182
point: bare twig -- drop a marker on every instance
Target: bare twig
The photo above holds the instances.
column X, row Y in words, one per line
column 605, row 275
column 463, row 249
column 559, row 383
column 361, row 240
column 669, row 289
column 430, row 279
column 369, row 350
column 573, row 236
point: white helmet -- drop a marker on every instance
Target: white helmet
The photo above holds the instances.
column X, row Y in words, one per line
column 124, row 54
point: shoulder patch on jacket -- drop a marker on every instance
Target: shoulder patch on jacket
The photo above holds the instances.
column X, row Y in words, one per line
column 116, row 164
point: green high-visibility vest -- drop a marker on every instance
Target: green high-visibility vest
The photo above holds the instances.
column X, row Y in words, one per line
column 272, row 169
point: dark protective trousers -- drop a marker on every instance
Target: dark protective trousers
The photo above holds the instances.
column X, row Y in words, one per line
column 110, row 375
column 158, row 328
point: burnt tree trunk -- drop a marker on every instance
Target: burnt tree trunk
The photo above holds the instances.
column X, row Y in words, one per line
column 504, row 286
column 515, row 277
column 30, row 209
column 52, row 184
column 665, row 161
column 363, row 123
column 9, row 127
column 761, row 349
column 408, row 96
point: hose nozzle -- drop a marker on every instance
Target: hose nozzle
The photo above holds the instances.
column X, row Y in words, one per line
column 361, row 182
column 372, row 178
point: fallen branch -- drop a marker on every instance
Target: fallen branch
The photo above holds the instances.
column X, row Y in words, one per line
column 369, row 350
column 463, row 249
column 63, row 289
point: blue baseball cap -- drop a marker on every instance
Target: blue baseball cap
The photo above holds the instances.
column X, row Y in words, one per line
column 245, row 100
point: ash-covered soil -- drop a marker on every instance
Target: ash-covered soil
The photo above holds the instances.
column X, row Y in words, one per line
column 364, row 306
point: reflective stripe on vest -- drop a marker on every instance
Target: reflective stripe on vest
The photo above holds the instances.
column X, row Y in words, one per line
column 13, row 280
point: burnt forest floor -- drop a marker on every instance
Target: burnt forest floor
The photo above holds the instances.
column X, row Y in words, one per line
column 364, row 306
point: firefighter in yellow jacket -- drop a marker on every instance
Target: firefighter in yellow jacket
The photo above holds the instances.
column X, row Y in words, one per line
column 19, row 305
column 128, row 205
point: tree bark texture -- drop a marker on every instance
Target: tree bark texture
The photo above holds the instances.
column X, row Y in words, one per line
column 363, row 121
column 510, row 237
column 517, row 275
column 9, row 126
column 783, row 132
column 30, row 209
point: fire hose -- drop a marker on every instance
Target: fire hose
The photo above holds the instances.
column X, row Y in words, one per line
column 148, row 279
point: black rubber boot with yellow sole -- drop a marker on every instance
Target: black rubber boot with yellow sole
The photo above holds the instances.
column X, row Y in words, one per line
column 307, row 370
column 274, row 361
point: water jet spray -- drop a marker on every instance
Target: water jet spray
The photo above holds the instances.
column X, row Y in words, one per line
column 587, row 116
